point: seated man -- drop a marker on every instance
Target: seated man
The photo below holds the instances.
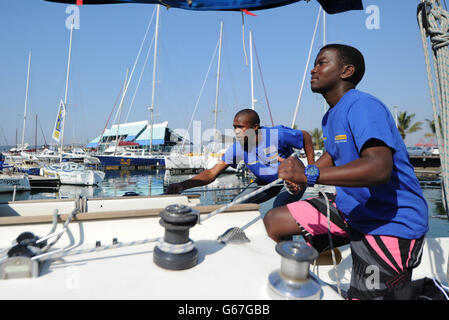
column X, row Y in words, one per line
column 379, row 208
column 262, row 149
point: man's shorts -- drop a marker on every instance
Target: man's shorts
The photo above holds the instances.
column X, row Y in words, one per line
column 379, row 263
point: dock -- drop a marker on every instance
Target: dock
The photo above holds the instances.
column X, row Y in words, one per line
column 129, row 167
column 39, row 183
column 425, row 161
column 427, row 168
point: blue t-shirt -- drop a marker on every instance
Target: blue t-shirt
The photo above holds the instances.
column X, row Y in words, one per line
column 397, row 208
column 262, row 159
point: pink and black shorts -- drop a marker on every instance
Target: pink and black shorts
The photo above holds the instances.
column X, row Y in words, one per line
column 379, row 263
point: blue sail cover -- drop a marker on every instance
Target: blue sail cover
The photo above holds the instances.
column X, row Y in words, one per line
column 330, row 6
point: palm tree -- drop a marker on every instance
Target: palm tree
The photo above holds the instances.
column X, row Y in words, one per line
column 432, row 127
column 317, row 138
column 406, row 125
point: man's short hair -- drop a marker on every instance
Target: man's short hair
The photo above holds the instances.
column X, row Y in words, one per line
column 251, row 113
column 350, row 55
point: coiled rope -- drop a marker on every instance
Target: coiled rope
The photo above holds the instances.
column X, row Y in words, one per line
column 433, row 22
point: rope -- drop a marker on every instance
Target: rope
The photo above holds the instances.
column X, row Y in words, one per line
column 59, row 234
column 240, row 200
column 59, row 254
column 433, row 21
column 331, row 243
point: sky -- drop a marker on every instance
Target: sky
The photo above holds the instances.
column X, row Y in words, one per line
column 108, row 41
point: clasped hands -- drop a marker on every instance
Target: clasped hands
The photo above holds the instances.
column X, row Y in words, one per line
column 291, row 170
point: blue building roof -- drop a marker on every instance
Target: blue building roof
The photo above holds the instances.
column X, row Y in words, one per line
column 133, row 131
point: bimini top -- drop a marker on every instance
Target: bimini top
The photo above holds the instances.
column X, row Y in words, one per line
column 330, row 6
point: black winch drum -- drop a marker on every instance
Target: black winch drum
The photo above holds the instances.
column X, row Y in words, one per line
column 176, row 251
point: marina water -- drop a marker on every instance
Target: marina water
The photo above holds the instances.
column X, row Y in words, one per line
column 221, row 191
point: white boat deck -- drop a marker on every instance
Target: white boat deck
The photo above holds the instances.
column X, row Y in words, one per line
column 224, row 272
column 232, row 271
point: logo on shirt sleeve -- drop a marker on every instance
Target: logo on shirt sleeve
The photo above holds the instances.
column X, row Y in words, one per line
column 341, row 138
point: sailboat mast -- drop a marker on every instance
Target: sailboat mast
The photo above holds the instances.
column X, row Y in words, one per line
column 324, row 44
column 117, row 135
column 154, row 77
column 66, row 89
column 26, row 101
column 35, row 133
column 251, row 66
column 218, row 76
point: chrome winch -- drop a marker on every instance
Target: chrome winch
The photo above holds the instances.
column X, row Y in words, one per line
column 293, row 280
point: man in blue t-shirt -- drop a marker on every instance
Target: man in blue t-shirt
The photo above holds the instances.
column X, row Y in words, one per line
column 379, row 207
column 261, row 149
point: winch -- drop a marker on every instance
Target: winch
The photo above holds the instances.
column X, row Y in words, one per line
column 293, row 280
column 175, row 251
column 18, row 262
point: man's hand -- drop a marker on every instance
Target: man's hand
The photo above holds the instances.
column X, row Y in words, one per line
column 175, row 188
column 294, row 188
column 292, row 170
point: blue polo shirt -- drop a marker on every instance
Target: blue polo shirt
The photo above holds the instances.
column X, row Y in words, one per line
column 397, row 208
column 262, row 159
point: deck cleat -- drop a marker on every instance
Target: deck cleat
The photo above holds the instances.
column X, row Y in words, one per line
column 175, row 251
column 293, row 281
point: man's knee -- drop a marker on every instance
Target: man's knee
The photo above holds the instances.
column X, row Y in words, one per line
column 268, row 221
column 272, row 221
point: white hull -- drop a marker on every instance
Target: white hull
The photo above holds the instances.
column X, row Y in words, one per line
column 9, row 181
column 199, row 161
column 182, row 161
column 84, row 178
column 33, row 208
column 73, row 174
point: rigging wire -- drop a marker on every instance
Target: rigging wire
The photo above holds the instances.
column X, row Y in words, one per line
column 201, row 92
column 140, row 77
column 243, row 38
column 263, row 83
column 135, row 63
column 110, row 114
column 307, row 67
column 144, row 65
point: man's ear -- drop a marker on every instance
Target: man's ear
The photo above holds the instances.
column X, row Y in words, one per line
column 348, row 71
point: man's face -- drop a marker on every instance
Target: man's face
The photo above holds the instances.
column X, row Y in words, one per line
column 326, row 71
column 241, row 126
